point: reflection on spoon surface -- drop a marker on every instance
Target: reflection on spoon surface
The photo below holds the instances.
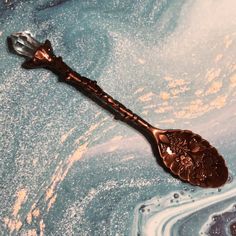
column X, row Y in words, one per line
column 192, row 158
column 184, row 153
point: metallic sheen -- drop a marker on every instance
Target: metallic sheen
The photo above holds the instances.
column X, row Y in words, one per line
column 186, row 154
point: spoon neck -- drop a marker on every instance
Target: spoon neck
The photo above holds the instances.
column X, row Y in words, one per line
column 119, row 111
column 45, row 57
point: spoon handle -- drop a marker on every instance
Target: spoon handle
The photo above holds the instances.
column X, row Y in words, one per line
column 120, row 111
column 44, row 57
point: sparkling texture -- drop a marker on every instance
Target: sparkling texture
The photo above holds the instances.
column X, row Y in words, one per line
column 66, row 167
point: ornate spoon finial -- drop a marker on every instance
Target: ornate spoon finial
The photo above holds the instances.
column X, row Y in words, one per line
column 185, row 154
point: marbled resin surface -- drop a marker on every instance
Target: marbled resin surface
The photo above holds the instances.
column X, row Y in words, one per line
column 66, row 166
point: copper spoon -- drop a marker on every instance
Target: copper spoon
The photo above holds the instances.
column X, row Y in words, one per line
column 186, row 154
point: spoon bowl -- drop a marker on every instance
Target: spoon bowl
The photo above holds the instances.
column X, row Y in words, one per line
column 190, row 157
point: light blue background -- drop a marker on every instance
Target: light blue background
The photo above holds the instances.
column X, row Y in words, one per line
column 66, row 166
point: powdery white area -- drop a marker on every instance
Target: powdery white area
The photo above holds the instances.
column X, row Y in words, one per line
column 200, row 24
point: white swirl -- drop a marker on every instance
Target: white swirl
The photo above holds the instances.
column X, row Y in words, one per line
column 164, row 213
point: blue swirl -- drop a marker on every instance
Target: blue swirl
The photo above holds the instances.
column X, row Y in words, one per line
column 66, row 167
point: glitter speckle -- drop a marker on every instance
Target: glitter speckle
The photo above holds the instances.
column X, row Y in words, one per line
column 61, row 171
